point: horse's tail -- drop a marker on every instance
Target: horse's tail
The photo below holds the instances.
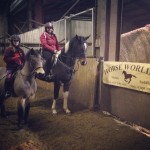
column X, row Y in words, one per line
column 134, row 76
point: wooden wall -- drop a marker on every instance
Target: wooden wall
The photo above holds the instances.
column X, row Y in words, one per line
column 84, row 84
column 130, row 105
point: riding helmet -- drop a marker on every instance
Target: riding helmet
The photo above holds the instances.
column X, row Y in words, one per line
column 49, row 25
column 15, row 38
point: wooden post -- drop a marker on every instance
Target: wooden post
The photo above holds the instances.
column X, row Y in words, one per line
column 29, row 14
column 115, row 22
column 104, row 28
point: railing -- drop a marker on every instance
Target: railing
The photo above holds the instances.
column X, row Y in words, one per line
column 65, row 29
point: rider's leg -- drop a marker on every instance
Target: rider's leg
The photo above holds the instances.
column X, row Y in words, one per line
column 8, row 83
column 48, row 65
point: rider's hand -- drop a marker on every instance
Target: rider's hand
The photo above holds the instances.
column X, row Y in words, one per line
column 58, row 52
column 55, row 51
column 16, row 56
column 18, row 62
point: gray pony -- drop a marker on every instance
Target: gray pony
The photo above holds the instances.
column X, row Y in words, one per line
column 24, row 85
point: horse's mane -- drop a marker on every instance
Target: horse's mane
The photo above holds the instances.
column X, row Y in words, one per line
column 73, row 43
column 27, row 55
column 68, row 46
column 77, row 39
column 31, row 52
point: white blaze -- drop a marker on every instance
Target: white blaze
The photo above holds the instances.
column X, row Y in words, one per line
column 67, row 47
column 85, row 45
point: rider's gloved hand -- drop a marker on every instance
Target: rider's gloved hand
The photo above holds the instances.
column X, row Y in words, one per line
column 18, row 61
column 55, row 51
column 16, row 55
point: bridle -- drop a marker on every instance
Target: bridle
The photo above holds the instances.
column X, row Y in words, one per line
column 73, row 60
column 33, row 70
column 32, row 73
column 68, row 67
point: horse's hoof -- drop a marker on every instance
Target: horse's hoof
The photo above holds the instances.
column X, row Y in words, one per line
column 54, row 112
column 4, row 116
column 19, row 127
column 25, row 122
column 67, row 111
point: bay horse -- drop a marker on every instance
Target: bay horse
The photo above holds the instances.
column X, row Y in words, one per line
column 75, row 49
column 24, row 85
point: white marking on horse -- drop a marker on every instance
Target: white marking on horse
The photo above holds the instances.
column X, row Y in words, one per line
column 54, row 112
column 85, row 45
column 65, row 105
column 67, row 46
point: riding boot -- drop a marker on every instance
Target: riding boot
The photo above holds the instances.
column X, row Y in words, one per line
column 7, row 88
column 49, row 76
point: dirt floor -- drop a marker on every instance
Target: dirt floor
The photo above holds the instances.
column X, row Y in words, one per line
column 82, row 130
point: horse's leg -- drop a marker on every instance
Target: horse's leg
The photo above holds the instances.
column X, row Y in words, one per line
column 21, row 108
column 27, row 108
column 2, row 106
column 56, row 93
column 65, row 96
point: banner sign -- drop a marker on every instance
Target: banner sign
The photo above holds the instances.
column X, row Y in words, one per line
column 134, row 76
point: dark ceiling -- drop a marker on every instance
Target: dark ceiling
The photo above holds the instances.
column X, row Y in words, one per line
column 59, row 8
column 136, row 13
column 4, row 4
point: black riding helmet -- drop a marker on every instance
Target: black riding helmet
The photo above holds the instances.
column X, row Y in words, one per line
column 14, row 38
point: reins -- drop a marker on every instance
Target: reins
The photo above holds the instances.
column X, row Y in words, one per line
column 4, row 76
column 70, row 68
column 8, row 74
column 32, row 73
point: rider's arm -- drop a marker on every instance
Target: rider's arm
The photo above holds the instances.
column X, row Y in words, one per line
column 8, row 55
column 57, row 44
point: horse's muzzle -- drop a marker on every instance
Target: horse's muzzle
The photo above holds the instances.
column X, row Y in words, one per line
column 40, row 70
column 83, row 61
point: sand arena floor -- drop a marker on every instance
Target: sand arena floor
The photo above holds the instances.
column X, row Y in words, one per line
column 83, row 130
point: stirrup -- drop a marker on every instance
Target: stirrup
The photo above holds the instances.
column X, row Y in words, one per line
column 7, row 94
column 49, row 77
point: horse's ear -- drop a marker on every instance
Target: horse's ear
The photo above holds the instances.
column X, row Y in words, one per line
column 32, row 52
column 77, row 37
column 87, row 37
column 40, row 50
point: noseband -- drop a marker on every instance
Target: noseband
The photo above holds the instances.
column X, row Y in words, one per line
column 33, row 70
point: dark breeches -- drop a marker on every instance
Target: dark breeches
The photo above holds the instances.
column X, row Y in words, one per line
column 47, row 55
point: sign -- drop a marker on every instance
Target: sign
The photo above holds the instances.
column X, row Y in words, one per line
column 130, row 75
